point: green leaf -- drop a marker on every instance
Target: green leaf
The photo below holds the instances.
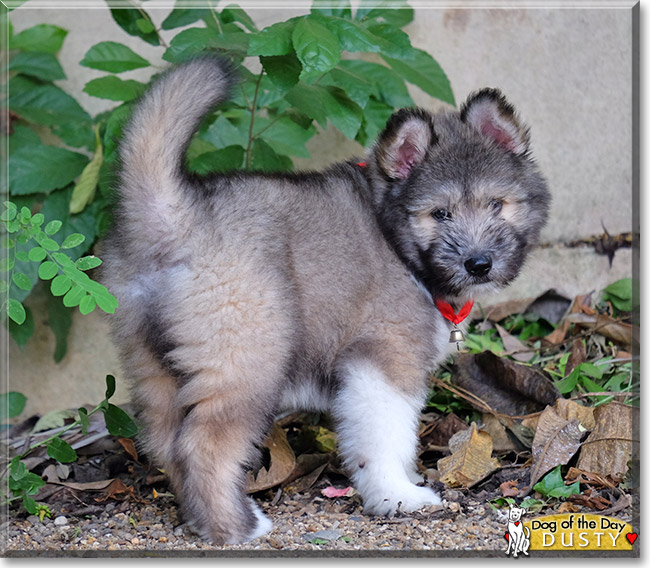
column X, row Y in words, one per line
column 354, row 37
column 53, row 227
column 88, row 262
column 47, row 243
column 60, row 319
column 61, row 451
column 273, row 40
column 28, row 502
column 224, row 160
column 193, row 41
column 265, row 159
column 389, row 85
column 10, row 212
column 76, row 134
column 60, row 285
column 114, row 89
column 396, row 13
column 180, row 17
column 37, row 254
column 11, row 404
column 105, row 300
column 136, row 22
column 22, row 281
column 110, row 386
column 7, row 264
column 37, row 220
column 43, row 103
column 21, row 333
column 233, row 13
column 52, row 419
column 553, row 485
column 44, row 38
column 339, row 8
column 113, row 57
column 118, row 422
column 84, row 192
column 48, row 270
column 73, row 240
column 283, row 70
column 87, row 305
column 357, row 88
column 84, row 421
column 73, row 296
column 222, row 133
column 591, row 370
column 316, row 47
column 16, row 311
column 56, row 206
column 425, row 72
column 44, row 66
column 375, row 117
column 284, row 135
column 621, row 289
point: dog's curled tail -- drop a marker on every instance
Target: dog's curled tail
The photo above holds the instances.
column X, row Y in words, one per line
column 159, row 131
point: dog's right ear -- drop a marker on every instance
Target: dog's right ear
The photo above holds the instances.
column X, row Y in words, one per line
column 404, row 142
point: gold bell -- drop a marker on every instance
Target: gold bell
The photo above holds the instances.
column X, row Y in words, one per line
column 456, row 336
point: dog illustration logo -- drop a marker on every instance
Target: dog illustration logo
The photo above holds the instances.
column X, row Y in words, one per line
column 518, row 536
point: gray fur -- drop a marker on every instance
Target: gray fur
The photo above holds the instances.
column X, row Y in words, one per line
column 243, row 293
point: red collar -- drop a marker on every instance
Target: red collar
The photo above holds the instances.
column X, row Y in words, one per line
column 448, row 312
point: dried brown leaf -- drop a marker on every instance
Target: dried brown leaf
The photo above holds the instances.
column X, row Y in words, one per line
column 439, row 431
column 578, row 355
column 471, row 461
column 515, row 348
column 611, row 444
column 500, row 440
column 507, row 387
column 509, row 488
column 282, row 464
column 571, row 410
column 556, row 441
column 129, row 448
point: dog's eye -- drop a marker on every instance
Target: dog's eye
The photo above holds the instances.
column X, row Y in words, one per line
column 442, row 214
column 496, row 205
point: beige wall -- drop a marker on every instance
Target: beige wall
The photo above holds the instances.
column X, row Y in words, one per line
column 569, row 73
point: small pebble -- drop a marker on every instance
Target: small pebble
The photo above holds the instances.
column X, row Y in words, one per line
column 61, row 521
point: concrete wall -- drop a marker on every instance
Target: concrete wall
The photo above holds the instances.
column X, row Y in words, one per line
column 569, row 73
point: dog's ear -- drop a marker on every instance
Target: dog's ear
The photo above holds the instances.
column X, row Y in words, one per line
column 494, row 117
column 404, row 142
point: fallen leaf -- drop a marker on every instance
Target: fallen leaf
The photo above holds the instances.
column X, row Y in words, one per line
column 571, row 410
column 507, row 387
column 556, row 441
column 333, row 492
column 438, row 431
column 592, row 499
column 129, row 448
column 611, row 444
column 509, row 488
column 282, row 463
column 85, row 486
column 605, row 325
column 514, row 347
column 471, row 460
column 594, row 479
column 580, row 305
column 119, row 491
column 497, row 431
column 567, row 507
column 578, row 355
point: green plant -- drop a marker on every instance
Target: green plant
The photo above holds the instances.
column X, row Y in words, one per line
column 22, row 483
column 303, row 81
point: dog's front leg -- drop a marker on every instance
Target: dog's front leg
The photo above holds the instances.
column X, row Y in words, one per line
column 377, row 427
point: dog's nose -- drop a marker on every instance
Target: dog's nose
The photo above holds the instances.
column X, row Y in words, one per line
column 478, row 265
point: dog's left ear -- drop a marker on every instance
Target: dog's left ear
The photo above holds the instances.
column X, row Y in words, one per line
column 493, row 116
column 404, row 142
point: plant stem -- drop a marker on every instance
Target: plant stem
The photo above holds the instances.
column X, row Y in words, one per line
column 250, row 128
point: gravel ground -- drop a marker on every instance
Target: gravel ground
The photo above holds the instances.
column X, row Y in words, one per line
column 304, row 523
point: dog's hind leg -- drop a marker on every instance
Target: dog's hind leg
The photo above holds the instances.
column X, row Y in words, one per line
column 214, row 445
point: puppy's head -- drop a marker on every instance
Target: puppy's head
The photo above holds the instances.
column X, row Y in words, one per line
column 458, row 195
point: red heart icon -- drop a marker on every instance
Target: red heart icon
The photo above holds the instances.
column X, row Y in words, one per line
column 507, row 536
column 516, row 523
column 631, row 537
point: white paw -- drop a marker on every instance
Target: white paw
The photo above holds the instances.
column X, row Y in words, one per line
column 406, row 498
column 264, row 524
